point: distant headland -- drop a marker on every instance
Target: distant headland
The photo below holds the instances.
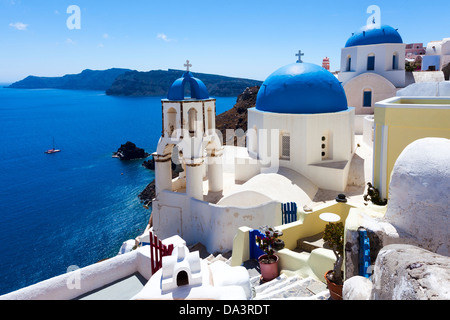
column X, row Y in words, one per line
column 126, row 82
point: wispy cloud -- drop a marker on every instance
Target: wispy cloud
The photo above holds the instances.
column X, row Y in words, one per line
column 105, row 36
column 19, row 26
column 70, row 41
column 164, row 37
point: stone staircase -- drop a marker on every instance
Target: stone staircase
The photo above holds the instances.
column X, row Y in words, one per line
column 289, row 287
column 284, row 287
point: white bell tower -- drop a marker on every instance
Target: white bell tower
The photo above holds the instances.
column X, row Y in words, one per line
column 189, row 124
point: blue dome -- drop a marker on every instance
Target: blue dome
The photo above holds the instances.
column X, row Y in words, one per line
column 301, row 88
column 384, row 34
column 198, row 88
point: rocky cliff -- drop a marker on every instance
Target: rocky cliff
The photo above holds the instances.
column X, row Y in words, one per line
column 129, row 151
column 86, row 80
column 126, row 82
column 236, row 117
column 157, row 82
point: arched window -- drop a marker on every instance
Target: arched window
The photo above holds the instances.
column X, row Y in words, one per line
column 210, row 118
column 192, row 119
column 371, row 62
column 367, row 98
column 171, row 120
column 349, row 63
column 395, row 61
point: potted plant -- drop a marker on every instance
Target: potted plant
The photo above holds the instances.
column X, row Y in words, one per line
column 334, row 238
column 269, row 243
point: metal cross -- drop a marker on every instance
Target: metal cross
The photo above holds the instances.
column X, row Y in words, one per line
column 299, row 55
column 187, row 65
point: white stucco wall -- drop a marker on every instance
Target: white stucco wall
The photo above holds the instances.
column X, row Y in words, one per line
column 381, row 89
column 75, row 283
column 383, row 62
column 306, row 132
column 212, row 225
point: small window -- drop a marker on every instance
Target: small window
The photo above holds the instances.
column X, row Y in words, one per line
column 285, row 147
column 367, row 98
column 349, row 63
column 395, row 61
column 371, row 62
column 325, row 151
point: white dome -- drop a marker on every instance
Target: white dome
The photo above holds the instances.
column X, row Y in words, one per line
column 419, row 194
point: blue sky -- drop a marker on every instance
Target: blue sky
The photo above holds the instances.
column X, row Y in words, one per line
column 243, row 38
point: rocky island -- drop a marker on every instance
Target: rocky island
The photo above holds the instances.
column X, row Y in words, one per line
column 129, row 151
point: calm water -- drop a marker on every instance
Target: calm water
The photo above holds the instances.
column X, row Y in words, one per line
column 75, row 207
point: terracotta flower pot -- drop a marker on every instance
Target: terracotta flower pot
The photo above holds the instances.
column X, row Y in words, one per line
column 335, row 289
column 269, row 269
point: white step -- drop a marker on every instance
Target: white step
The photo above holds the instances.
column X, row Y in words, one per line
column 278, row 282
column 292, row 287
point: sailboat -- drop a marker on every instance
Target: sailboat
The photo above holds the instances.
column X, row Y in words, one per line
column 53, row 150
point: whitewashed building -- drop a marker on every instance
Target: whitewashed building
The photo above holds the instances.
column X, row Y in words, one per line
column 301, row 138
column 372, row 68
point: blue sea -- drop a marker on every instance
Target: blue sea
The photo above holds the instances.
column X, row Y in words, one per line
column 75, row 207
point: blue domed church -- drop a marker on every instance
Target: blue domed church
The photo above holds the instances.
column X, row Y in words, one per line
column 302, row 122
column 300, row 139
column 372, row 67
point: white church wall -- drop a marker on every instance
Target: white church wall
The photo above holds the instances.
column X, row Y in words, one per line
column 212, row 225
column 224, row 221
column 380, row 87
column 168, row 209
column 383, row 62
column 306, row 132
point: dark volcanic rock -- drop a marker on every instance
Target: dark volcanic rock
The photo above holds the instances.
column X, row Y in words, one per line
column 129, row 151
column 236, row 117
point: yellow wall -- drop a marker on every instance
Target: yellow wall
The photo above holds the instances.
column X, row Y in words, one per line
column 311, row 224
column 405, row 124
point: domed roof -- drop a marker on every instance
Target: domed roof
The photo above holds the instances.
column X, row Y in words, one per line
column 383, row 34
column 301, row 88
column 198, row 88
